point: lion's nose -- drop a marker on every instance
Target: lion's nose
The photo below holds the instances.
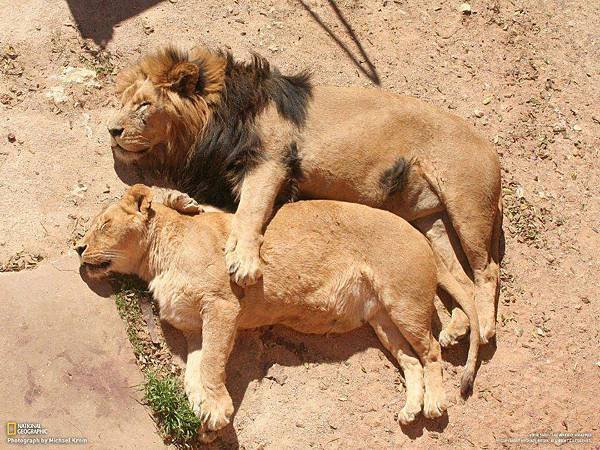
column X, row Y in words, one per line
column 80, row 249
column 115, row 131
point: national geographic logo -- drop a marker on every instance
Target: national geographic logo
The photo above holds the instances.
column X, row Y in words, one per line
column 32, row 433
column 25, row 428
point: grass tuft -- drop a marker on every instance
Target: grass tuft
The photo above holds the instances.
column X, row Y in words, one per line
column 166, row 397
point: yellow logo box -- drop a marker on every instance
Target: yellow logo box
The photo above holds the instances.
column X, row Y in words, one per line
column 11, row 428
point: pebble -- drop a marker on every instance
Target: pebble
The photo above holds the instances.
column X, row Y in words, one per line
column 465, row 8
column 477, row 113
column 487, row 100
column 519, row 331
column 11, row 137
column 577, row 128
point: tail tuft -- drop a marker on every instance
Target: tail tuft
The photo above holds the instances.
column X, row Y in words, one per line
column 466, row 383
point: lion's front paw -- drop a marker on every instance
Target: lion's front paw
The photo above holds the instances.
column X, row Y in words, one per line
column 213, row 410
column 243, row 262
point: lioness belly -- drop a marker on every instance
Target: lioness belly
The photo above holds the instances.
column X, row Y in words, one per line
column 340, row 304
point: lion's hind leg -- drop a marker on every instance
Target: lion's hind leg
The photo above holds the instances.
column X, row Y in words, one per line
column 445, row 243
column 391, row 338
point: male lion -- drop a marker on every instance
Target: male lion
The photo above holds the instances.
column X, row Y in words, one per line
column 226, row 132
column 329, row 267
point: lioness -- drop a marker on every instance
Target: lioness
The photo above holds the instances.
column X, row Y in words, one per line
column 225, row 131
column 329, row 267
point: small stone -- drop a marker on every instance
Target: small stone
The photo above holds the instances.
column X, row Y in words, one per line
column 540, row 332
column 148, row 29
column 519, row 331
column 276, row 374
column 477, row 113
column 487, row 100
column 465, row 8
column 577, row 128
column 559, row 128
column 11, row 137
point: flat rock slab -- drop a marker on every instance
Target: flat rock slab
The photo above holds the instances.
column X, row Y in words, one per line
column 67, row 363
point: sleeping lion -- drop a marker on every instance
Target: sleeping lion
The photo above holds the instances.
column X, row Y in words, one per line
column 242, row 136
column 329, row 267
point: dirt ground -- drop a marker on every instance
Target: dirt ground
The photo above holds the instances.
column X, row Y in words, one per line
column 526, row 73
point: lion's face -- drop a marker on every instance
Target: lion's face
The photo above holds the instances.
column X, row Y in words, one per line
column 115, row 240
column 141, row 123
column 165, row 102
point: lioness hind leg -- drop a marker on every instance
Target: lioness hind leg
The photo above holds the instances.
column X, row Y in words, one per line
column 445, row 243
column 394, row 342
column 415, row 326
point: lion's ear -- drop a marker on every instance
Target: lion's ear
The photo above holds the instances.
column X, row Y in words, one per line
column 183, row 78
column 138, row 199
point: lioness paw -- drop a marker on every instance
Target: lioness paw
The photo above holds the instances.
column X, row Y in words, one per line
column 408, row 414
column 243, row 263
column 445, row 339
column 487, row 329
column 214, row 411
column 434, row 405
column 182, row 203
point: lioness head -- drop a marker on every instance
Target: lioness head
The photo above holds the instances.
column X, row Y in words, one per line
column 166, row 101
column 115, row 240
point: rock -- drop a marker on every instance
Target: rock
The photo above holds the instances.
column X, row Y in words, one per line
column 148, row 29
column 276, row 374
column 477, row 113
column 465, row 8
column 519, row 331
column 487, row 100
column 577, row 127
column 559, row 128
column 540, row 332
column 11, row 137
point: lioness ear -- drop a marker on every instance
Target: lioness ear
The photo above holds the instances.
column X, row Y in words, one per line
column 183, row 78
column 138, row 199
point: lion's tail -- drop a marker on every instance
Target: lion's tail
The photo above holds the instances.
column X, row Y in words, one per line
column 449, row 284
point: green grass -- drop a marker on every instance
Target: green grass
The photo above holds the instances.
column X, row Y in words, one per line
column 171, row 407
column 163, row 390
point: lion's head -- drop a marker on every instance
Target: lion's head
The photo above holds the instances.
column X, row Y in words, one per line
column 114, row 242
column 166, row 100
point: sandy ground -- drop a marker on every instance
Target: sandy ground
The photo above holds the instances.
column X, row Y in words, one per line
column 524, row 72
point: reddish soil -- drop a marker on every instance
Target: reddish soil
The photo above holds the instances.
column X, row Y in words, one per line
column 525, row 73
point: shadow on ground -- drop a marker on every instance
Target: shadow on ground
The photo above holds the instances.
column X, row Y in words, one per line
column 96, row 19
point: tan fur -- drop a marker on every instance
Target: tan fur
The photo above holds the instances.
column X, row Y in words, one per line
column 329, row 267
column 350, row 138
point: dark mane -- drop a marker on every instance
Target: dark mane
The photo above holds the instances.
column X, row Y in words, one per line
column 230, row 145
